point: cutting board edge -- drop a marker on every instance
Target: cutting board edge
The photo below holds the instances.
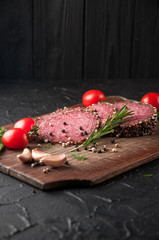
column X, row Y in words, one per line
column 68, row 183
column 23, row 177
column 78, row 182
column 127, row 168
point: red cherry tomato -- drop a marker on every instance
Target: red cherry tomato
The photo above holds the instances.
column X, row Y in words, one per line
column 92, row 96
column 25, row 123
column 15, row 138
column 151, row 98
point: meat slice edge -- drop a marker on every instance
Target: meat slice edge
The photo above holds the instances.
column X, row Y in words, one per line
column 104, row 110
column 143, row 121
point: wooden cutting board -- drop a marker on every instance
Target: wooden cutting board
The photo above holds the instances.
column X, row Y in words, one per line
column 132, row 152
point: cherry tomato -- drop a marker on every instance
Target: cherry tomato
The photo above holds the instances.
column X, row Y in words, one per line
column 15, row 138
column 151, row 98
column 25, row 123
column 92, row 96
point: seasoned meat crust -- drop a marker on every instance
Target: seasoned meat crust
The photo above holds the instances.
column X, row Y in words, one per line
column 73, row 125
column 143, row 121
column 68, row 125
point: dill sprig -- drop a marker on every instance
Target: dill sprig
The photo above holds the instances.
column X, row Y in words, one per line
column 111, row 122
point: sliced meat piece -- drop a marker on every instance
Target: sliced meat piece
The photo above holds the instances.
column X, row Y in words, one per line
column 43, row 119
column 69, row 126
column 143, row 121
column 103, row 109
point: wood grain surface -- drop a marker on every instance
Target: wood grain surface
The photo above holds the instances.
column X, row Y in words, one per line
column 16, row 52
column 58, row 38
column 145, row 38
column 79, row 39
column 131, row 153
column 122, row 35
column 108, row 35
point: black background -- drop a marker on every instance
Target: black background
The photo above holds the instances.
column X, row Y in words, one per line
column 51, row 52
column 79, row 39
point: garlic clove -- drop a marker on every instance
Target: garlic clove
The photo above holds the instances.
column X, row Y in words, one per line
column 37, row 154
column 25, row 156
column 54, row 160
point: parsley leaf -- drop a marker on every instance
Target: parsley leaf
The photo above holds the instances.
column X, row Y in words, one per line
column 48, row 145
column 2, row 131
column 79, row 157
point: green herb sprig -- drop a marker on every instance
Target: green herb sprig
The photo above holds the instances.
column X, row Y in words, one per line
column 33, row 133
column 79, row 157
column 148, row 175
column 48, row 145
column 2, row 131
column 121, row 116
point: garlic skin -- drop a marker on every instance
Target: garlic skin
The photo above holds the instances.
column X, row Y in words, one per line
column 37, row 154
column 25, row 156
column 54, row 160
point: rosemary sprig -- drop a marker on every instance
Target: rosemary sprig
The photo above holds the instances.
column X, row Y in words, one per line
column 121, row 116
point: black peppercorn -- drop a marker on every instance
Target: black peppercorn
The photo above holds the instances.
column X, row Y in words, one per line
column 80, row 128
column 63, row 130
column 64, row 123
column 112, row 141
column 85, row 132
column 81, row 133
column 99, row 151
column 67, row 163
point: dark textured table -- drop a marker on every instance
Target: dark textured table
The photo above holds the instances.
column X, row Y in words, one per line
column 125, row 207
